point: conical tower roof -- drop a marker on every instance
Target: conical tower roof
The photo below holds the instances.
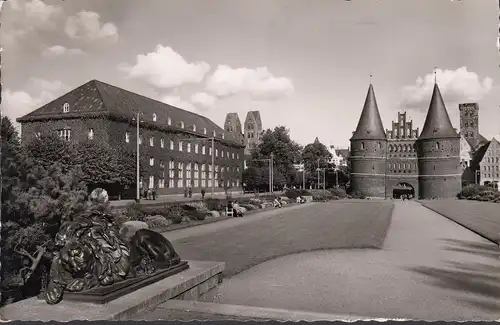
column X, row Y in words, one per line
column 370, row 125
column 437, row 123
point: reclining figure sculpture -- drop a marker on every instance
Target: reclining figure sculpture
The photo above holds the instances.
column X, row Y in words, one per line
column 90, row 253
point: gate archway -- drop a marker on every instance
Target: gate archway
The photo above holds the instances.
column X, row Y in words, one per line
column 403, row 189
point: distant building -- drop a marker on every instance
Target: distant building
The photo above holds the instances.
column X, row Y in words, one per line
column 490, row 164
column 425, row 165
column 339, row 156
column 177, row 142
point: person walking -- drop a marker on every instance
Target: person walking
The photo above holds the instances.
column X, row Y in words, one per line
column 202, row 193
column 190, row 192
column 154, row 194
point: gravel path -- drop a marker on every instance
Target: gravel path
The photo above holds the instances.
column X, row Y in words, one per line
column 480, row 217
column 430, row 268
column 287, row 231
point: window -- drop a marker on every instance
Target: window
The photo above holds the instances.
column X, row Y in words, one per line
column 210, row 175
column 216, row 177
column 189, row 147
column 38, row 135
column 171, row 144
column 466, row 124
column 151, row 181
column 222, row 153
column 151, row 141
column 204, row 176
column 169, row 121
column 237, row 156
column 181, row 124
column 232, row 155
column 180, row 145
column 162, row 143
column 140, row 139
column 362, row 145
column 227, row 154
column 161, row 183
column 127, row 137
column 171, row 174
column 210, row 151
column 91, row 134
column 154, row 117
column 214, row 134
column 196, row 147
column 188, row 174
column 222, row 136
column 151, row 161
column 65, row 134
column 196, row 176
column 180, row 175
column 204, row 130
column 437, row 145
column 216, row 152
column 203, row 150
column 65, row 108
column 194, row 129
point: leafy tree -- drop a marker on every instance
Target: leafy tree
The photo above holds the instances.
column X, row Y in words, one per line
column 252, row 178
column 316, row 155
column 99, row 162
column 285, row 151
column 49, row 149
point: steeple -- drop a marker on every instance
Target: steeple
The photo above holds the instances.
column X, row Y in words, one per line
column 437, row 123
column 370, row 125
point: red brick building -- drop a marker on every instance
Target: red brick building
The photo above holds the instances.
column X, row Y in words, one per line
column 176, row 142
column 426, row 165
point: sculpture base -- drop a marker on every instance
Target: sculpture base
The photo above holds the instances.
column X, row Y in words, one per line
column 102, row 295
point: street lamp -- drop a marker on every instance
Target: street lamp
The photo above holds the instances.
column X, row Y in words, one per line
column 324, row 174
column 476, row 176
column 213, row 156
column 138, row 120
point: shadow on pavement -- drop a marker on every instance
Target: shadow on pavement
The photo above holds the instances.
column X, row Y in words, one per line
column 479, row 282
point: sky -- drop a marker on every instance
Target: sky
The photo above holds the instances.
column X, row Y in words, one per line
column 304, row 64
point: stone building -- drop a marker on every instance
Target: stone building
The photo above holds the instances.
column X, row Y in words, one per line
column 490, row 164
column 426, row 165
column 177, row 142
column 251, row 134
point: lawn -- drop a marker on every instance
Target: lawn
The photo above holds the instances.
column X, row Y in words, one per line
column 480, row 217
column 332, row 225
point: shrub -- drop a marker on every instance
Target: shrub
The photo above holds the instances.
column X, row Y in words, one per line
column 197, row 215
column 358, row 195
column 335, row 198
column 321, row 195
column 156, row 221
column 175, row 213
column 469, row 191
column 214, row 204
column 134, row 211
column 338, row 192
column 292, row 194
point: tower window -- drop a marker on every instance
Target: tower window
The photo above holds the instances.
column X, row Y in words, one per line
column 437, row 145
column 380, row 145
column 466, row 124
column 362, row 145
column 154, row 117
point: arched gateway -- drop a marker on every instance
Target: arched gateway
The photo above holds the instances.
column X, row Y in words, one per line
column 403, row 189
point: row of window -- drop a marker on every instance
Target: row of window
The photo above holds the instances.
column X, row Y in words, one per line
column 489, row 175
column 155, row 117
column 402, row 148
column 492, row 159
column 491, row 168
column 181, row 145
column 402, row 167
column 467, row 124
column 196, row 167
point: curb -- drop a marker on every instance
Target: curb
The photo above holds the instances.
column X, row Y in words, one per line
column 460, row 224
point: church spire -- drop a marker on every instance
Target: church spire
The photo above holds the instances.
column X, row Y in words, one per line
column 437, row 123
column 370, row 125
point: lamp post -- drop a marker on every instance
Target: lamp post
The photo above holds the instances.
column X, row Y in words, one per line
column 477, row 174
column 138, row 189
column 213, row 157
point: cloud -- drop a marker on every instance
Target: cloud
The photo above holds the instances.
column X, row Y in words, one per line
column 177, row 102
column 86, row 25
column 164, row 68
column 25, row 17
column 58, row 50
column 456, row 86
column 203, row 99
column 19, row 103
column 259, row 83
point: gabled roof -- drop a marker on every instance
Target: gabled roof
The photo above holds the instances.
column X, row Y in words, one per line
column 370, row 125
column 437, row 123
column 97, row 97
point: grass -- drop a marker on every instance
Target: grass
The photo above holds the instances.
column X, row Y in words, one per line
column 482, row 218
column 322, row 226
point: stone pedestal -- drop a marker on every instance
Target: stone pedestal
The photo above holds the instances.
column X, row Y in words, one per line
column 198, row 279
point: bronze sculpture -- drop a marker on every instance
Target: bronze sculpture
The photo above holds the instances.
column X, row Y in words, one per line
column 90, row 253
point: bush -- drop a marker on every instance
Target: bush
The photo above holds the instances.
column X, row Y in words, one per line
column 134, row 211
column 358, row 195
column 214, row 204
column 292, row 194
column 175, row 213
column 156, row 221
column 338, row 192
column 321, row 195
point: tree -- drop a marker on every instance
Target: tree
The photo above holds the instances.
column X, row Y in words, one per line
column 315, row 155
column 49, row 149
column 252, row 178
column 285, row 151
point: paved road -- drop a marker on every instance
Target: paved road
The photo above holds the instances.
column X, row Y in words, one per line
column 429, row 268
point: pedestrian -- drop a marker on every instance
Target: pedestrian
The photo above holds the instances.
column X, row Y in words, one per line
column 202, row 193
column 154, row 194
column 185, row 192
column 145, row 193
column 190, row 191
column 149, row 193
column 237, row 210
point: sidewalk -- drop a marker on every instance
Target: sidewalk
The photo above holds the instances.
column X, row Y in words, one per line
column 180, row 198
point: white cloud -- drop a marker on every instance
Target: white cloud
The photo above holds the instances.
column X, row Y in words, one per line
column 177, row 102
column 203, row 99
column 165, row 68
column 456, row 86
column 259, row 83
column 19, row 103
column 58, row 50
column 26, row 17
column 87, row 25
